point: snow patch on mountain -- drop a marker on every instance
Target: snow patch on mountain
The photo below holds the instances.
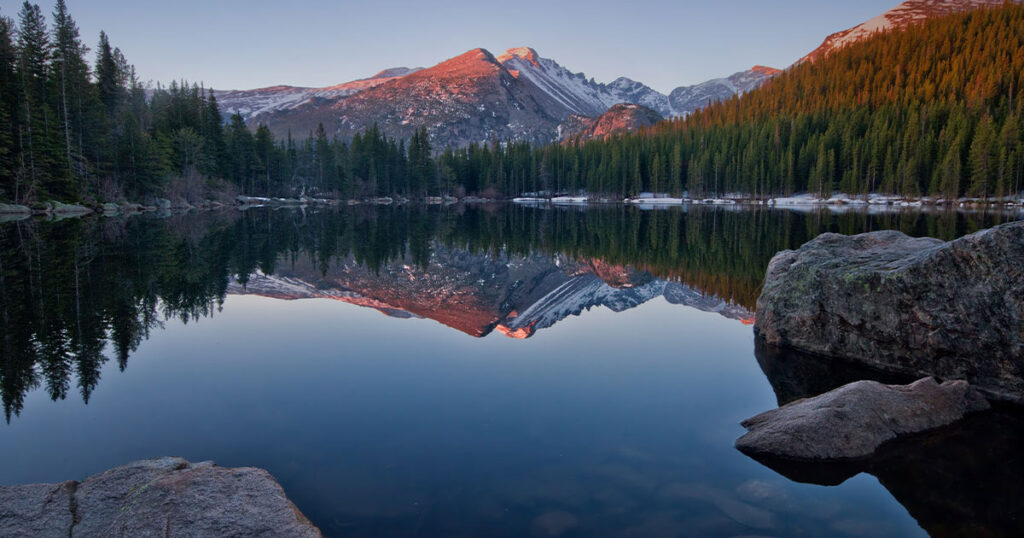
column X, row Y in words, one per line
column 575, row 91
column 905, row 14
column 685, row 100
column 252, row 104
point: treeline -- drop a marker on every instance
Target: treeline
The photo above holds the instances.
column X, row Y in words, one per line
column 68, row 127
column 76, row 130
column 930, row 110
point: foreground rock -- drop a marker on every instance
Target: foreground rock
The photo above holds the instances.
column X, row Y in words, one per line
column 158, row 497
column 852, row 421
column 916, row 306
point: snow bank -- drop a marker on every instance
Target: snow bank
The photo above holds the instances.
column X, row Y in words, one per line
column 569, row 200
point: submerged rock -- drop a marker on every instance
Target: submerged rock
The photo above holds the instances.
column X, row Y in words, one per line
column 852, row 421
column 158, row 497
column 921, row 306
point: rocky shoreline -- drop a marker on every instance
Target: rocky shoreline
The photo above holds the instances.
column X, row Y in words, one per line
column 56, row 209
column 156, row 497
column 892, row 303
column 915, row 306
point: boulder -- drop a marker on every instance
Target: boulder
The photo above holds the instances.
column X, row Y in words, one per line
column 961, row 480
column 157, row 497
column 916, row 306
column 852, row 421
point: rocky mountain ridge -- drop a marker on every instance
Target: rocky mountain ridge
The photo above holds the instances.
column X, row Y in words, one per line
column 621, row 118
column 473, row 97
column 518, row 95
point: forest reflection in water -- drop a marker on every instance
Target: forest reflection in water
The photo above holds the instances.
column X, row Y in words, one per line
column 618, row 421
column 78, row 292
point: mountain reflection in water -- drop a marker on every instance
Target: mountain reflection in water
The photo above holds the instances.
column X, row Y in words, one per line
column 610, row 421
column 72, row 287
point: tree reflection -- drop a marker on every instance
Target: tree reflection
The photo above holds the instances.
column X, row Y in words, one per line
column 73, row 293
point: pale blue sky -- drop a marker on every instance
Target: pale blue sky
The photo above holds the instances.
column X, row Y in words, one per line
column 663, row 43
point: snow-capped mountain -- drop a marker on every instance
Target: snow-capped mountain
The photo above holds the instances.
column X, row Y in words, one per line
column 474, row 97
column 254, row 105
column 480, row 293
column 684, row 100
column 518, row 95
column 619, row 118
column 575, row 91
column 585, row 97
column 903, row 15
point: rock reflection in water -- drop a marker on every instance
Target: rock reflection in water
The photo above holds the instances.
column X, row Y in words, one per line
column 962, row 480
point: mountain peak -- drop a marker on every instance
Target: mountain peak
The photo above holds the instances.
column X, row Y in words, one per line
column 765, row 70
column 525, row 53
column 474, row 55
column 477, row 60
column 393, row 72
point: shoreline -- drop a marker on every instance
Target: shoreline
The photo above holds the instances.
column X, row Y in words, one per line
column 875, row 203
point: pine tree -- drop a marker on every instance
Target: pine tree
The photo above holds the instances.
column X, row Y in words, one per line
column 8, row 109
column 212, row 129
column 107, row 76
column 264, row 157
column 33, row 54
column 71, row 75
column 983, row 159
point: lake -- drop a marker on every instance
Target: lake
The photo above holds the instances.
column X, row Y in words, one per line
column 491, row 370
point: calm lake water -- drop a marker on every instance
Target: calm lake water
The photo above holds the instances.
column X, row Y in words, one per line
column 463, row 371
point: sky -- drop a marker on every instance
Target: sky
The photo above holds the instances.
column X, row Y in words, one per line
column 243, row 44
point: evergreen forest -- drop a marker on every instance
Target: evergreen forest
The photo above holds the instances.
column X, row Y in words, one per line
column 931, row 110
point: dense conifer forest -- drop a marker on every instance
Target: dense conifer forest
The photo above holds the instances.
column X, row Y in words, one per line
column 933, row 110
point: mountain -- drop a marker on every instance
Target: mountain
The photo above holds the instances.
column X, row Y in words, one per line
column 469, row 98
column 474, row 97
column 579, row 95
column 685, row 100
column 901, row 16
column 256, row 105
column 621, row 118
column 478, row 294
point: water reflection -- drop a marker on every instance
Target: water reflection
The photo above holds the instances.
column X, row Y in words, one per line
column 75, row 290
column 616, row 422
column 478, row 292
column 961, row 480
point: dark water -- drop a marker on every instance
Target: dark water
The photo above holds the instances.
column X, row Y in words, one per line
column 483, row 371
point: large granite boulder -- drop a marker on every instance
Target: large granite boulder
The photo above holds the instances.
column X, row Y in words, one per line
column 919, row 306
column 158, row 497
column 852, row 421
